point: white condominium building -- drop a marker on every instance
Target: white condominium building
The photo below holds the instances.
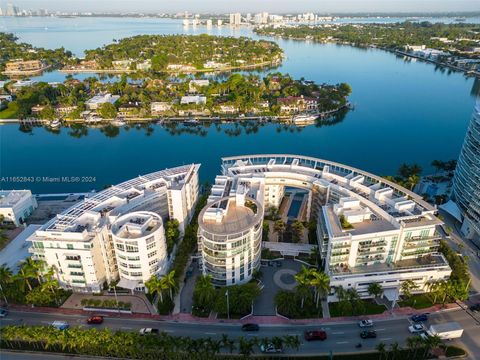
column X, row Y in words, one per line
column 229, row 237
column 84, row 243
column 139, row 236
column 369, row 229
column 16, row 206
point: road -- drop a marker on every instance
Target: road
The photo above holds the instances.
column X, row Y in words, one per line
column 342, row 337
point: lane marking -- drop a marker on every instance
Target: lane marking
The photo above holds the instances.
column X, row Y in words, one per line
column 338, row 333
column 380, row 329
column 210, row 333
column 342, row 342
column 386, row 339
column 293, row 334
column 168, row 331
column 126, row 328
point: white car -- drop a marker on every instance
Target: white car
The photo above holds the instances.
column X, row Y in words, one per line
column 416, row 328
column 365, row 323
column 60, row 325
column 270, row 348
column 149, row 331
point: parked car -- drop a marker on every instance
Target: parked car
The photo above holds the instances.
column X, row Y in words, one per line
column 60, row 325
column 475, row 308
column 419, row 318
column 3, row 313
column 250, row 327
column 365, row 323
column 149, row 331
column 270, row 348
column 315, row 335
column 368, row 334
column 95, row 320
column 416, row 328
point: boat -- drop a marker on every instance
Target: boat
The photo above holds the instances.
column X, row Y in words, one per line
column 55, row 124
column 118, row 122
column 191, row 122
column 304, row 119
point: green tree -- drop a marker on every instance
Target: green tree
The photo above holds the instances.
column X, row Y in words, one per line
column 204, row 293
column 375, row 289
column 407, row 287
column 47, row 113
column 321, row 283
column 107, row 111
column 297, row 228
column 381, row 348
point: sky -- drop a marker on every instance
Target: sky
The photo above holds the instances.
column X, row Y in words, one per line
column 276, row 6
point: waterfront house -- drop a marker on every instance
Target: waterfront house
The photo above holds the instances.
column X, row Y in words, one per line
column 63, row 110
column 20, row 66
column 193, row 111
column 193, row 99
column 145, row 66
column 180, row 67
column 16, row 206
column 37, row 109
column 121, row 64
column 98, row 100
column 214, row 65
column 292, row 104
column 129, row 110
column 20, row 84
column 227, row 109
column 159, row 108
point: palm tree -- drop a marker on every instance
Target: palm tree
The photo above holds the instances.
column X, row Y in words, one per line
column 321, row 283
column 395, row 348
column 204, row 290
column 303, row 280
column 431, row 342
column 155, row 285
column 170, row 283
column 36, row 267
column 6, row 278
column 407, row 287
column 381, row 348
column 413, row 180
column 24, row 275
column 413, row 343
column 375, row 289
column 245, row 346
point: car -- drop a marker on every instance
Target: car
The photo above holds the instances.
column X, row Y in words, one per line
column 149, row 331
column 60, row 325
column 475, row 308
column 416, row 328
column 3, row 313
column 365, row 323
column 419, row 318
column 250, row 327
column 368, row 334
column 270, row 348
column 315, row 335
column 95, row 319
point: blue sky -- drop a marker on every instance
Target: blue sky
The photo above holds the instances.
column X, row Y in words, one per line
column 278, row 6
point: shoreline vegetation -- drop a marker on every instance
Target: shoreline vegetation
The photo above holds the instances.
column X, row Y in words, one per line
column 276, row 97
column 455, row 46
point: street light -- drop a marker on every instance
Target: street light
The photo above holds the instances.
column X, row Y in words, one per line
column 4, row 297
column 228, row 305
column 116, row 299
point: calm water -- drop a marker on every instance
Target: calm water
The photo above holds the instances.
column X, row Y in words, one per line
column 404, row 112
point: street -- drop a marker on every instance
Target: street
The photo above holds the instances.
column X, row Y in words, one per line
column 342, row 337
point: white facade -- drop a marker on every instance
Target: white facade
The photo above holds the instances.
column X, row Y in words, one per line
column 16, row 206
column 79, row 242
column 193, row 99
column 140, row 246
column 229, row 238
column 369, row 229
column 95, row 102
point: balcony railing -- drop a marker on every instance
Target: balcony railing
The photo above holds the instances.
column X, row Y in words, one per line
column 373, row 244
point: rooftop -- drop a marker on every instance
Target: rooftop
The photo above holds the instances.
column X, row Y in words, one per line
column 136, row 225
column 226, row 216
column 9, row 198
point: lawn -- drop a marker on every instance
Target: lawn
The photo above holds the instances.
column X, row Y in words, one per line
column 370, row 308
column 10, row 112
column 418, row 301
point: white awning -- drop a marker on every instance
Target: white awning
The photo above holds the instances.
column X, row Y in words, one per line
column 127, row 284
column 452, row 208
column 391, row 294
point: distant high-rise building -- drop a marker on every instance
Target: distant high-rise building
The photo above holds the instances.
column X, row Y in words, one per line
column 235, row 19
column 11, row 10
column 219, row 22
column 1, row 12
column 466, row 183
column 261, row 18
column 209, row 23
column 248, row 17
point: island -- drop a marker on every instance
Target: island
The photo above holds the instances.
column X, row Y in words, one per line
column 240, row 96
column 178, row 54
column 456, row 46
column 22, row 59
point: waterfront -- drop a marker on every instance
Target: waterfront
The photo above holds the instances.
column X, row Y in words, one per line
column 405, row 111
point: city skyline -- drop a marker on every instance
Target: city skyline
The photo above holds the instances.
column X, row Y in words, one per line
column 279, row 6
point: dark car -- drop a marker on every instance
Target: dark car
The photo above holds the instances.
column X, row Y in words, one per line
column 3, row 313
column 475, row 308
column 315, row 335
column 95, row 320
column 419, row 318
column 250, row 327
column 368, row 334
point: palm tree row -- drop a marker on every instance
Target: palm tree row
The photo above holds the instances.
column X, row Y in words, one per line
column 105, row 342
column 311, row 278
column 418, row 348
